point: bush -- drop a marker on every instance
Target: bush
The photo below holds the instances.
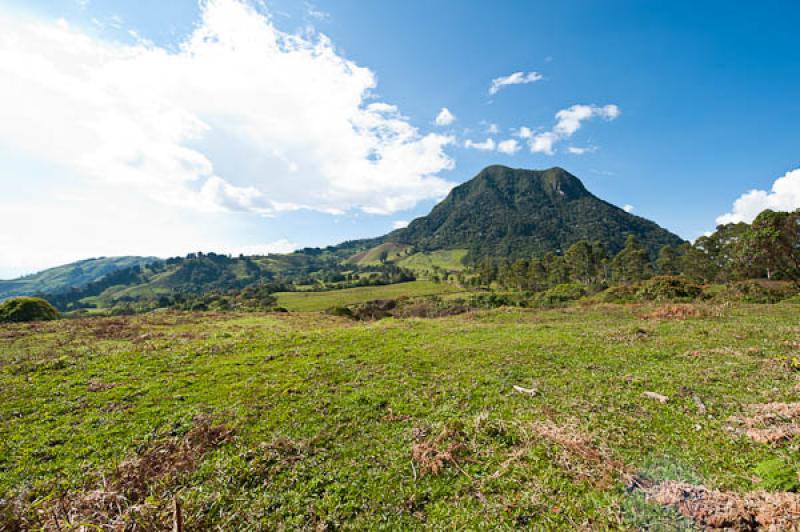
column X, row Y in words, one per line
column 21, row 309
column 621, row 293
column 561, row 293
column 758, row 292
column 668, row 288
column 342, row 312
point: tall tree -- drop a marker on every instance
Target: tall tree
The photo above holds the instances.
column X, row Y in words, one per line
column 774, row 243
column 632, row 263
column 668, row 261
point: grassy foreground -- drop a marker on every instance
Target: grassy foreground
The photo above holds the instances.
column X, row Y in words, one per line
column 319, row 421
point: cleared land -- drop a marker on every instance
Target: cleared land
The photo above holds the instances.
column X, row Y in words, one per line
column 446, row 259
column 317, row 301
column 270, row 421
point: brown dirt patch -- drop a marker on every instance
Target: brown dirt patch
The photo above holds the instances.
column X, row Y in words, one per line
column 770, row 422
column 673, row 312
column 717, row 510
column 96, row 386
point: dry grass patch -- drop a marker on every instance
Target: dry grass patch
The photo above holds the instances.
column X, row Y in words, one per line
column 128, row 499
column 435, row 453
column 717, row 510
column 770, row 422
column 579, row 455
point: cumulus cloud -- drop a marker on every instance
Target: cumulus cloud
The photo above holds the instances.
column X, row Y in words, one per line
column 492, row 129
column 239, row 117
column 783, row 196
column 524, row 133
column 517, row 78
column 445, row 117
column 509, row 147
column 628, row 207
column 568, row 121
column 487, row 145
column 399, row 224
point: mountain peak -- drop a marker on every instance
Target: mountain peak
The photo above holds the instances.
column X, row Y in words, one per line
column 516, row 212
column 555, row 182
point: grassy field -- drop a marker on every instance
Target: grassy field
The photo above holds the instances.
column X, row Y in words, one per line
column 309, row 421
column 316, row 301
column 446, row 259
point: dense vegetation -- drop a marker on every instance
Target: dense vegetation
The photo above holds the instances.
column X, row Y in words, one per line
column 211, row 281
column 22, row 309
column 767, row 249
column 515, row 213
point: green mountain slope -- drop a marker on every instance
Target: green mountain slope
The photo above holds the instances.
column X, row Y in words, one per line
column 64, row 278
column 514, row 213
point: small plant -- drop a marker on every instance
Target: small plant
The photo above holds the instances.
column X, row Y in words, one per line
column 777, row 475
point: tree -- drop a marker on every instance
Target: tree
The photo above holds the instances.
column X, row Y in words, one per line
column 632, row 263
column 773, row 242
column 537, row 276
column 556, row 268
column 580, row 261
column 668, row 261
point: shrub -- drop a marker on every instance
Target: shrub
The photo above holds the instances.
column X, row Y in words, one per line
column 561, row 293
column 758, row 292
column 668, row 288
column 343, row 312
column 21, row 309
column 621, row 293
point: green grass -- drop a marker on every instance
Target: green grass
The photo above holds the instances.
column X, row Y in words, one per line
column 446, row 259
column 326, row 411
column 373, row 255
column 315, row 301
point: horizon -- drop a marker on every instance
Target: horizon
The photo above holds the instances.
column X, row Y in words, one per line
column 158, row 130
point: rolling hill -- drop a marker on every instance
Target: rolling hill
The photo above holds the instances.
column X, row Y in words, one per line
column 69, row 276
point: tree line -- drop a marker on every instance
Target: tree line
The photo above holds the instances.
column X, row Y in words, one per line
column 768, row 248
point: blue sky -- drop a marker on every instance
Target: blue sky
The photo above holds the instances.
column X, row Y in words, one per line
column 128, row 137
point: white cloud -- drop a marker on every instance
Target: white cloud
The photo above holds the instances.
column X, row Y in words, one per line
column 240, row 116
column 784, row 196
column 445, row 117
column 487, row 145
column 399, row 224
column 517, row 78
column 568, row 121
column 493, row 129
column 524, row 133
column 316, row 13
column 580, row 150
column 509, row 147
column 628, row 207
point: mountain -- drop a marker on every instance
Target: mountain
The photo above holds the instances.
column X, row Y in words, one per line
column 64, row 278
column 514, row 213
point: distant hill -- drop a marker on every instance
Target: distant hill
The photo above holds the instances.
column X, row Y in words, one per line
column 64, row 278
column 516, row 213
